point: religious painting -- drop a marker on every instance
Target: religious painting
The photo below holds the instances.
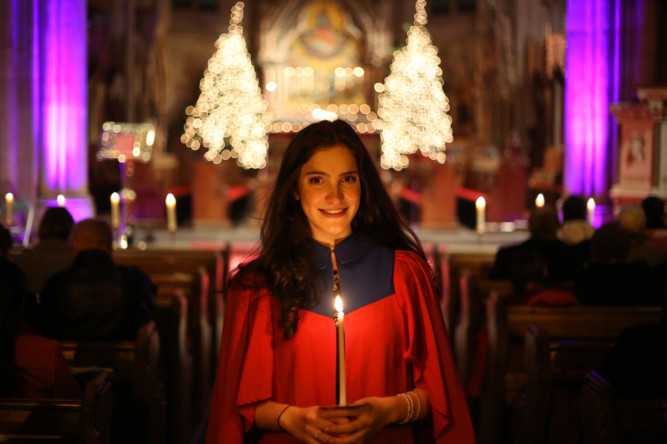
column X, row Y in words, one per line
column 636, row 151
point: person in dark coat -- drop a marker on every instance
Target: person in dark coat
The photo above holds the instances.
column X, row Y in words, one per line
column 95, row 299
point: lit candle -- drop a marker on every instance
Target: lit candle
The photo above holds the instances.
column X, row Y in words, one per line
column 539, row 200
column 171, row 212
column 480, row 204
column 61, row 200
column 590, row 205
column 115, row 210
column 339, row 315
column 9, row 200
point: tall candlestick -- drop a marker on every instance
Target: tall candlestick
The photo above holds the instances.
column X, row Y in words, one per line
column 9, row 200
column 590, row 205
column 171, row 212
column 61, row 200
column 480, row 204
column 115, row 210
column 339, row 315
column 539, row 200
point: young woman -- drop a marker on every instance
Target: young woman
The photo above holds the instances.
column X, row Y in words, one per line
column 330, row 220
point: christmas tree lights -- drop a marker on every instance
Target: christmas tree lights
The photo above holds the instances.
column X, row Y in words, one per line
column 229, row 119
column 413, row 105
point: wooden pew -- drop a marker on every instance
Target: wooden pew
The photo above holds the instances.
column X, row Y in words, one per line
column 133, row 368
column 81, row 421
column 579, row 338
column 607, row 420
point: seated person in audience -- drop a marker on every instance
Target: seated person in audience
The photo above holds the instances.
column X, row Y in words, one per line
column 30, row 365
column 636, row 366
column 52, row 252
column 561, row 264
column 656, row 231
column 631, row 217
column 576, row 228
column 95, row 299
column 6, row 241
column 531, row 283
column 609, row 279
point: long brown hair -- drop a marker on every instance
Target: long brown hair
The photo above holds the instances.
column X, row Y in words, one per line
column 284, row 264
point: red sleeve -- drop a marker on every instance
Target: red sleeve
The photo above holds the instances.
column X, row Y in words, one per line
column 429, row 351
column 245, row 366
column 64, row 384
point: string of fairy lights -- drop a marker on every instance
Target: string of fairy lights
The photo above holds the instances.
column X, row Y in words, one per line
column 230, row 118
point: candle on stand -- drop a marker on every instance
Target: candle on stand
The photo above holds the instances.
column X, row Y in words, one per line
column 480, row 204
column 9, row 201
column 61, row 200
column 590, row 205
column 171, row 212
column 340, row 341
column 115, row 210
column 539, row 200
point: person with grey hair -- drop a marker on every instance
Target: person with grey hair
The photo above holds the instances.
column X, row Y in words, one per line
column 94, row 298
column 632, row 218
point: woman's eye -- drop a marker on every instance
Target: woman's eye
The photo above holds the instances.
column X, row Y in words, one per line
column 315, row 180
column 350, row 179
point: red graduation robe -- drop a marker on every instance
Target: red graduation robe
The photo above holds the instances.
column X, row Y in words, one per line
column 394, row 342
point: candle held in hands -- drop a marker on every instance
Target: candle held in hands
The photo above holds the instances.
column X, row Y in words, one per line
column 340, row 341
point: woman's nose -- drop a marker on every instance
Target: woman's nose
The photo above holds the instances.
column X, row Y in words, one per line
column 335, row 192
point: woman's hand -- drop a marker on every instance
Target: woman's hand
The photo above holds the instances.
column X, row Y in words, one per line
column 360, row 420
column 307, row 424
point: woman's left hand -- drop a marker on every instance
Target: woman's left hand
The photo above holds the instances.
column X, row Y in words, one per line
column 360, row 420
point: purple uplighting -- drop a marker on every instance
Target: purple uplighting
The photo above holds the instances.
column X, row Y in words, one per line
column 63, row 66
column 589, row 72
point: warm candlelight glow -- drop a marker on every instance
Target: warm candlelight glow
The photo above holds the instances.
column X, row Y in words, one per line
column 9, row 200
column 115, row 210
column 591, row 209
column 340, row 345
column 480, row 204
column 539, row 200
column 171, row 212
column 61, row 200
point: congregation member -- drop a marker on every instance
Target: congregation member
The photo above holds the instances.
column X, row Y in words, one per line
column 30, row 365
column 575, row 228
column 656, row 229
column 560, row 263
column 52, row 252
column 331, row 227
column 94, row 298
column 610, row 279
column 633, row 219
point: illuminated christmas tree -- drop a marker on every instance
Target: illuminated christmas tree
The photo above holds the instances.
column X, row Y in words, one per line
column 413, row 105
column 229, row 119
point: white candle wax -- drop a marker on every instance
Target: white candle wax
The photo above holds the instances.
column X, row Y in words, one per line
column 115, row 210
column 171, row 212
column 342, row 398
column 480, row 204
column 9, row 200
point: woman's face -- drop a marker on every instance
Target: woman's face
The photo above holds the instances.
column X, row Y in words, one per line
column 330, row 192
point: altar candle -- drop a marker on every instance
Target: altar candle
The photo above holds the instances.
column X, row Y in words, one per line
column 9, row 200
column 539, row 200
column 171, row 212
column 338, row 304
column 590, row 205
column 115, row 210
column 480, row 204
column 61, row 200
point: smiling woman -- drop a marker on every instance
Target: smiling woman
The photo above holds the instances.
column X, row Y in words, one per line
column 330, row 224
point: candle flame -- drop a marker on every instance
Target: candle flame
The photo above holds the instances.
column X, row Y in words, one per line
column 480, row 202
column 61, row 200
column 590, row 204
column 338, row 303
column 115, row 198
column 9, row 197
column 539, row 200
column 170, row 200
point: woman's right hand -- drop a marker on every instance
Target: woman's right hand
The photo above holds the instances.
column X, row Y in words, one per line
column 306, row 424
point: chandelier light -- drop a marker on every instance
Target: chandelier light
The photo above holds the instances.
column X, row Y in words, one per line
column 229, row 119
column 413, row 105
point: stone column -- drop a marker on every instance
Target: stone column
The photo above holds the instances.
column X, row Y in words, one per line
column 60, row 61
